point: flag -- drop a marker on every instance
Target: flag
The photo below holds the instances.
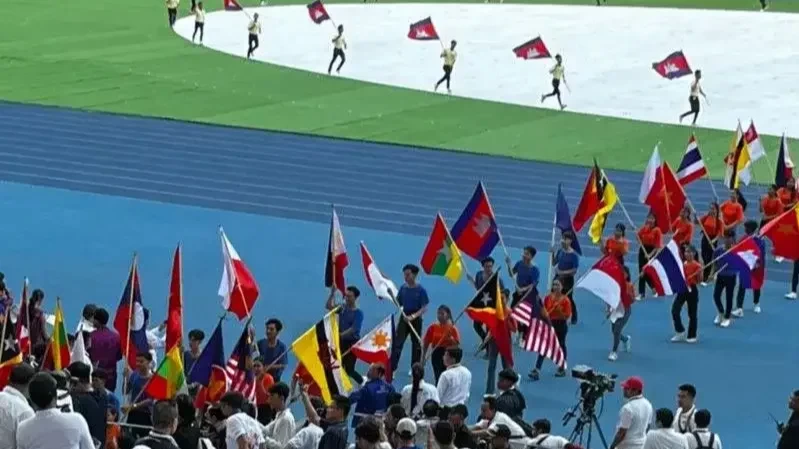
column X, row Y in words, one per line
column 742, row 258
column 209, row 370
column 238, row 288
column 783, row 231
column 753, row 142
column 738, row 166
column 423, row 30
column 666, row 199
column 79, row 352
column 609, row 199
column 319, row 351
column 10, row 355
column 232, row 5
column 665, row 271
column 784, row 164
column 383, row 287
column 650, row 174
column 239, row 366
column 673, row 66
column 606, row 281
column 58, row 355
column 563, row 220
column 476, row 232
column 591, row 200
column 692, row 166
column 441, row 256
column 337, row 259
column 541, row 337
column 488, row 308
column 22, row 331
column 174, row 313
column 375, row 347
column 532, row 49
column 129, row 320
column 317, row 12
column 168, row 380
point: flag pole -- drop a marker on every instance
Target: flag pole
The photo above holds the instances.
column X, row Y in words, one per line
column 222, row 317
column 491, row 208
column 551, row 244
column 133, row 275
column 707, row 174
column 27, row 315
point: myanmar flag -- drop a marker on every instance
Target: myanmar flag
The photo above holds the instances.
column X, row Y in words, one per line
column 58, row 356
column 168, row 380
column 441, row 256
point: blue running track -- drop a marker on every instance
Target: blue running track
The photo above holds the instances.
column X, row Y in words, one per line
column 83, row 191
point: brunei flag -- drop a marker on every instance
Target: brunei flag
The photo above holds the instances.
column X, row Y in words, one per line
column 591, row 200
column 441, row 256
column 10, row 355
column 319, row 351
column 488, row 308
column 169, row 379
column 609, row 200
column 58, row 355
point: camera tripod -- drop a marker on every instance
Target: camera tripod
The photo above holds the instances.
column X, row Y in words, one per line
column 586, row 418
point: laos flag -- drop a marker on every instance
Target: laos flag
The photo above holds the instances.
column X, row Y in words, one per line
column 130, row 321
column 476, row 233
column 673, row 66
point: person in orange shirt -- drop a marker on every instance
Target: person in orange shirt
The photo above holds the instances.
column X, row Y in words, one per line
column 770, row 205
column 619, row 322
column 559, row 310
column 441, row 335
column 263, row 381
column 651, row 239
column 683, row 228
column 693, row 276
column 617, row 245
column 732, row 211
column 712, row 227
column 113, row 432
column 787, row 194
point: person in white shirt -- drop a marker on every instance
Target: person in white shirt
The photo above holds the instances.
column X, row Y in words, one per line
column 490, row 418
column 242, row 430
column 635, row 416
column 310, row 434
column 664, row 437
column 424, row 392
column 686, row 408
column 156, row 339
column 542, row 438
column 14, row 406
column 49, row 428
column 424, row 426
column 278, row 432
column 702, row 437
column 456, row 381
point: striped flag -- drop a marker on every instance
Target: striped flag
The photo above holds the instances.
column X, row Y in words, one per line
column 692, row 166
column 541, row 337
column 240, row 377
column 666, row 272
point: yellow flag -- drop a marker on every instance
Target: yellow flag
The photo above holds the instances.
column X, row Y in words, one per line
column 609, row 199
column 319, row 351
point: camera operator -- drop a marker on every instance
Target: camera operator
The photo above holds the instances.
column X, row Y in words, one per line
column 543, row 440
column 635, row 416
column 789, row 433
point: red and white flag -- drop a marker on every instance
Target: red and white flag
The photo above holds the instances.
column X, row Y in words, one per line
column 606, row 281
column 23, row 333
column 337, row 259
column 532, row 49
column 423, row 30
column 649, row 175
column 237, row 287
column 375, row 347
column 756, row 148
column 384, row 287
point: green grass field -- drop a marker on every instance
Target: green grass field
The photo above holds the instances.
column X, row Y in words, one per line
column 123, row 58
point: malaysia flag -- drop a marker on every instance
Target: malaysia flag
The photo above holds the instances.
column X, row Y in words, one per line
column 532, row 49
column 673, row 66
column 692, row 166
column 317, row 12
column 666, row 272
column 232, row 5
column 476, row 233
column 423, row 30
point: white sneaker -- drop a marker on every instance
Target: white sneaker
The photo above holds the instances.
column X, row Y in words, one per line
column 717, row 320
column 449, row 91
column 613, row 357
column 628, row 345
column 725, row 323
column 791, row 295
column 703, row 284
column 779, row 259
column 691, row 340
column 738, row 313
column 638, row 297
column 756, row 308
column 678, row 337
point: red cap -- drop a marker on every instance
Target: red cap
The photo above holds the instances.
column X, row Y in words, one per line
column 633, row 383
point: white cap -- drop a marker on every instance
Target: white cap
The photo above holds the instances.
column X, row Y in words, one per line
column 406, row 426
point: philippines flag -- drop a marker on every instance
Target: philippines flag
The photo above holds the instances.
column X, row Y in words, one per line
column 383, row 287
column 532, row 49
column 673, row 66
column 129, row 320
column 317, row 12
column 743, row 258
column 237, row 287
column 232, row 5
column 337, row 259
column 692, row 166
column 784, row 164
column 375, row 347
column 541, row 337
column 665, row 271
column 239, row 372
column 423, row 30
column 476, row 233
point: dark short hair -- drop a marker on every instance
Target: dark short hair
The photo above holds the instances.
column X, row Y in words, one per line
column 42, row 390
column 368, row 430
column 381, row 369
column 530, row 249
column 80, row 371
column 443, row 433
column 665, row 417
column 21, row 374
column 490, row 401
column 750, row 226
column 88, row 311
column 487, row 260
column 280, row 389
column 542, row 425
column 186, row 410
column 101, row 315
column 393, row 398
column 455, row 353
column 412, row 268
column 164, row 414
column 278, row 324
column 234, row 399
column 196, row 334
column 688, row 388
column 100, row 373
column 729, row 233
column 397, row 412
column 354, row 290
column 460, row 410
column 430, row 408
column 702, row 418
column 342, row 403
column 145, row 355
column 568, row 234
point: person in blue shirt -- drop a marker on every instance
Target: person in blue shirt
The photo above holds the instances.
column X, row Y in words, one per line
column 725, row 281
column 190, row 356
column 372, row 397
column 273, row 350
column 478, row 281
column 566, row 262
column 350, row 320
column 526, row 274
column 750, row 227
column 412, row 297
column 99, row 376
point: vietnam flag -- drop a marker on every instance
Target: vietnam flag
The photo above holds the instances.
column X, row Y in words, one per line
column 591, row 201
column 441, row 256
column 237, row 287
column 666, row 198
column 476, row 232
column 487, row 307
column 783, row 232
column 375, row 347
column 423, row 30
column 337, row 260
column 532, row 49
column 174, row 314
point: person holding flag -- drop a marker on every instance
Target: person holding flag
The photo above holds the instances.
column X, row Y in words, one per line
column 725, row 281
column 617, row 245
column 350, row 320
column 339, row 45
column 199, row 21
column 618, row 323
column 566, row 262
column 758, row 273
column 253, row 29
column 557, row 308
column 683, row 228
column 526, row 274
column 787, row 194
column 413, row 300
column 713, row 226
column 440, row 335
column 732, row 211
column 651, row 239
column 693, row 98
column 449, row 55
column 693, row 276
column 558, row 74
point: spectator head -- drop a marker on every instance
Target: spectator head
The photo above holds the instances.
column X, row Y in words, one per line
column 100, row 318
column 409, row 272
column 61, row 379
column 88, row 312
column 215, row 414
column 664, row 418
column 338, row 409
column 143, row 361
column 196, row 337
column 750, row 227
column 165, row 417
column 542, row 427
column 430, row 409
column 278, row 395
column 632, row 386
column 406, row 429
column 453, row 356
column 702, row 419
column 249, row 408
column 507, row 379
column 686, row 394
column 352, row 294
column 793, row 402
column 37, row 297
column 319, row 405
column 273, row 328
column 443, row 434
column 21, row 376
column 458, row 415
column 186, row 410
column 367, row 434
column 231, row 403
column 43, row 391
column 376, row 371
column 99, row 379
column 529, row 253
column 489, row 407
column 500, row 436
column 395, row 413
column 393, row 398
column 80, row 372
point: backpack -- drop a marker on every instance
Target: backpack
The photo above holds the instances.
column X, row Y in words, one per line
column 699, row 444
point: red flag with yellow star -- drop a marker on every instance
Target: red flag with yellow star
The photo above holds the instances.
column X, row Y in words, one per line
column 666, row 198
column 375, row 347
column 783, row 232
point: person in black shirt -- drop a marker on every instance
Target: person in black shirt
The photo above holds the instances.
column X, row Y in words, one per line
column 336, row 432
column 90, row 404
column 463, row 437
column 165, row 422
column 510, row 401
column 187, row 434
column 789, row 432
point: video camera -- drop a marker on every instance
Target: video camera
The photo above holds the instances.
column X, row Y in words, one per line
column 593, row 385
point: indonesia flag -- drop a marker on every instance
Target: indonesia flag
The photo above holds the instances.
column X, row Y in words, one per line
column 337, row 259
column 666, row 272
column 532, row 49
column 375, row 347
column 317, row 12
column 692, row 166
column 673, row 66
column 649, row 175
column 384, row 288
column 606, row 280
column 232, row 5
column 423, row 30
column 237, row 287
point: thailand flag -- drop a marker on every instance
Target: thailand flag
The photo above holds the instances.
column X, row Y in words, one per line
column 692, row 166
column 665, row 271
column 423, row 30
column 743, row 258
column 673, row 66
column 476, row 232
column 532, row 49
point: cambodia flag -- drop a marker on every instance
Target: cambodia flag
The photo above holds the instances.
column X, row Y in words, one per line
column 674, row 66
column 666, row 272
column 476, row 233
column 743, row 258
column 423, row 30
column 232, row 5
column 532, row 49
column 129, row 320
column 317, row 12
column 784, row 164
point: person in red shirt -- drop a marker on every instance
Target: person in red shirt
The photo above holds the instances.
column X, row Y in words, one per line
column 263, row 381
column 732, row 212
column 683, row 228
column 559, row 310
column 617, row 246
column 770, row 205
column 651, row 239
column 788, row 195
column 618, row 323
column 711, row 227
column 693, row 276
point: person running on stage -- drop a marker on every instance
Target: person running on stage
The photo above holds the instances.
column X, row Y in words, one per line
column 449, row 55
column 725, row 282
column 651, row 238
column 763, row 5
column 619, row 322
column 732, row 212
column 199, row 22
column 254, row 29
column 693, row 99
column 558, row 74
column 339, row 45
column 712, row 225
column 693, row 276
column 750, row 227
column 559, row 310
column 172, row 11
column 617, row 245
column 566, row 262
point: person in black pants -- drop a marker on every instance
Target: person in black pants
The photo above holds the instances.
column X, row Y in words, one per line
column 763, row 5
column 479, row 280
column 413, row 300
column 693, row 276
column 350, row 321
column 558, row 309
column 339, row 45
column 566, row 262
column 725, row 282
column 794, row 281
column 750, row 227
column 712, row 226
column 253, row 30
